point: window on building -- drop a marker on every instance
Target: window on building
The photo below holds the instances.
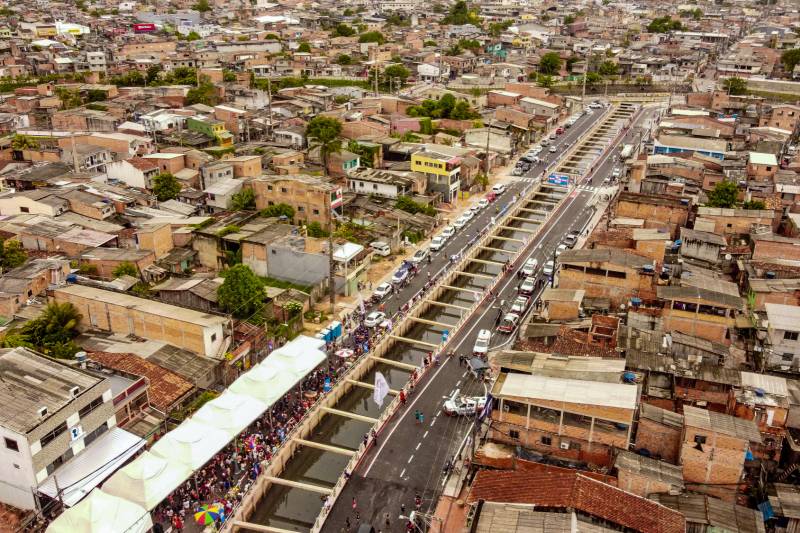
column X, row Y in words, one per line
column 24, row 210
column 11, row 444
column 269, row 187
column 787, row 357
column 284, row 189
column 47, row 438
column 88, row 439
column 316, row 211
column 513, row 433
column 213, row 337
column 94, row 404
column 547, row 441
column 60, row 461
column 790, row 335
column 375, row 186
column 300, row 208
column 700, row 439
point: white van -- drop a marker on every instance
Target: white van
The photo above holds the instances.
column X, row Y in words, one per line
column 498, row 189
column 381, row 248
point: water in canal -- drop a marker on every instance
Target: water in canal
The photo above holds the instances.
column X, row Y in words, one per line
column 296, row 509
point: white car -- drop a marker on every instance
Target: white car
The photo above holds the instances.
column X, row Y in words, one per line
column 475, row 209
column 530, row 266
column 420, row 256
column 460, row 222
column 458, row 405
column 520, row 305
column 448, row 232
column 482, row 342
column 437, row 243
column 374, row 318
column 528, row 286
column 548, row 268
column 509, row 323
column 616, row 173
column 560, row 249
column 498, row 188
column 400, row 276
column 382, row 290
column 553, row 149
column 468, row 214
column 536, row 150
column 483, row 203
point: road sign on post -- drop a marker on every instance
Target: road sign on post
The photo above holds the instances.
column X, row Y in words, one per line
column 558, row 179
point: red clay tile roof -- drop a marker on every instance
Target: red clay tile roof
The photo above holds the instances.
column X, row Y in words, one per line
column 142, row 163
column 165, row 387
column 574, row 490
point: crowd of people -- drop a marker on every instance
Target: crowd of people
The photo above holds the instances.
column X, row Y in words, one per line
column 224, row 480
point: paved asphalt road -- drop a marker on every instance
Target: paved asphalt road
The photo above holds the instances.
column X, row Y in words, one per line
column 409, row 457
column 462, row 236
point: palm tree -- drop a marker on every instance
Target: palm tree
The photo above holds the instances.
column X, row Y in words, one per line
column 323, row 133
column 57, row 324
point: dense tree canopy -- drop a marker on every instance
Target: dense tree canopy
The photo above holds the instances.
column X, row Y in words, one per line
column 242, row 292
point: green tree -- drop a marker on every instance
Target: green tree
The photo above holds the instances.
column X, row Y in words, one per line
column 482, row 180
column 153, row 72
column 342, row 30
column 12, row 254
column 314, row 229
column 790, row 58
column 735, row 86
column 244, row 200
column 472, row 45
column 166, row 186
column 396, row 72
column 405, row 203
column 724, row 194
column 430, row 43
column 569, row 19
column 193, row 36
column 126, row 268
column 344, row 59
column 69, row 97
column 608, row 68
column 593, row 78
column 754, row 204
column 205, row 93
column 228, row 75
column 277, row 211
column 460, row 13
column 545, row 81
column 324, row 133
column 24, row 142
column 202, row 6
column 304, row 47
column 497, row 28
column 242, row 292
column 372, row 37
column 53, row 331
column 664, row 24
column 550, row 63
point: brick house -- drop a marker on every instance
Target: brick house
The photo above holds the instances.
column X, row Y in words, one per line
column 659, row 432
column 644, row 476
column 699, row 312
column 106, row 260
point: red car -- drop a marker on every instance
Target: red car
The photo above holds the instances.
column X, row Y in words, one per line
column 559, row 131
column 509, row 323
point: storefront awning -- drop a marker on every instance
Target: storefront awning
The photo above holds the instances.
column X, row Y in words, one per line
column 92, row 465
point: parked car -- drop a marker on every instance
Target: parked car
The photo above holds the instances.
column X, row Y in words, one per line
column 536, row 150
column 559, row 131
column 528, row 286
column 468, row 214
column 520, row 305
column 517, row 171
column 381, row 248
column 545, row 142
column 458, row 405
column 525, row 159
column 401, row 276
column 571, row 239
column 509, row 323
column 448, row 232
column 616, row 173
column 491, row 196
column 482, row 342
column 460, row 222
column 498, row 188
column 553, row 136
column 553, row 149
column 374, row 318
column 382, row 291
column 548, row 268
column 530, row 266
column 475, row 209
column 560, row 249
column 483, row 203
column 437, row 243
column 420, row 256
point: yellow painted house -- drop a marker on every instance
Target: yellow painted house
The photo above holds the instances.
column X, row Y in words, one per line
column 443, row 172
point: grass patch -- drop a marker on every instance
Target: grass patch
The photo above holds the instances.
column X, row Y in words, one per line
column 281, row 284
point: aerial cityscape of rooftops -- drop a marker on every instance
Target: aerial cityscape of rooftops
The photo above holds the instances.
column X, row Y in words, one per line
column 393, row 266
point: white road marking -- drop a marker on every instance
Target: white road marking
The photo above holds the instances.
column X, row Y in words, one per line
column 464, row 374
column 410, row 458
column 418, row 445
column 403, row 472
column 425, row 435
column 434, row 421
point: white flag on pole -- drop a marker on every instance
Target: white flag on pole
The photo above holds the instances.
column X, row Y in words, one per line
column 361, row 303
column 381, row 389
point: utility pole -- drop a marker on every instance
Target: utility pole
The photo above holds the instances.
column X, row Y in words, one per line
column 488, row 134
column 331, row 264
column 269, row 104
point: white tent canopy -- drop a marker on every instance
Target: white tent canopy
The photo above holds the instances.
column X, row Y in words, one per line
column 102, row 513
column 151, row 477
column 230, row 412
column 191, row 443
column 148, row 480
column 266, row 383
